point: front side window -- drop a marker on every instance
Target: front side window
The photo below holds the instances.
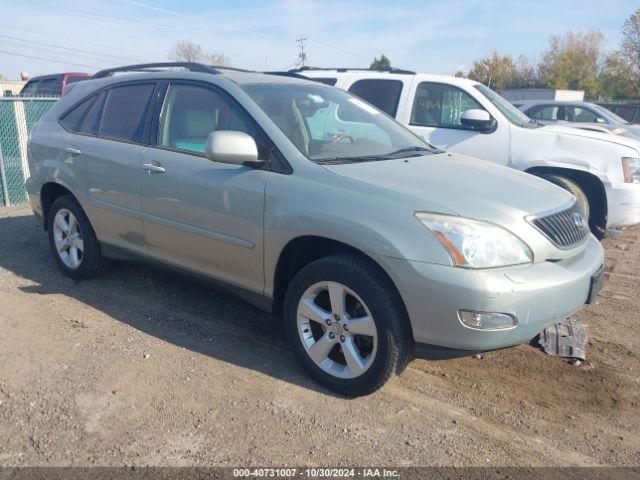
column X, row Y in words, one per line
column 580, row 114
column 512, row 114
column 192, row 112
column 441, row 105
column 125, row 111
column 545, row 112
column 327, row 124
column 384, row 94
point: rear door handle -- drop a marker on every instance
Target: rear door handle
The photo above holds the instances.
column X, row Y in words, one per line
column 154, row 167
column 73, row 151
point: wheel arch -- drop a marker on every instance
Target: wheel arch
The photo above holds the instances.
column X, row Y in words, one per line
column 591, row 185
column 303, row 250
column 49, row 192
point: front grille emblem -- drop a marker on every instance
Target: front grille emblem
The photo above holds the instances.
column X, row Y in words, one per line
column 579, row 221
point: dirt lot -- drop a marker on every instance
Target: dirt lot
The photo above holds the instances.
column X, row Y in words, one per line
column 146, row 368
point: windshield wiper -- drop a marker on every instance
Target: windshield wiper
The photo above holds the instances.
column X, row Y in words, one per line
column 400, row 153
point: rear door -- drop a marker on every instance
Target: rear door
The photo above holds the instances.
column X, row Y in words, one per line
column 111, row 132
column 201, row 215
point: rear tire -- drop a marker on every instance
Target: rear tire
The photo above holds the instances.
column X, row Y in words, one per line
column 572, row 187
column 73, row 242
column 363, row 339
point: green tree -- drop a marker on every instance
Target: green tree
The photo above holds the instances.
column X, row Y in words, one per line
column 573, row 61
column 618, row 80
column 496, row 71
column 380, row 63
column 630, row 45
column 621, row 75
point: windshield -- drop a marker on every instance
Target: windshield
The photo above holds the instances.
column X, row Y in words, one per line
column 330, row 125
column 514, row 115
column 608, row 113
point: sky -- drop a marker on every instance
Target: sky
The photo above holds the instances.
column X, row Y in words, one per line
column 434, row 36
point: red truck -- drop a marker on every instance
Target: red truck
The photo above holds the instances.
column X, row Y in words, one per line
column 51, row 85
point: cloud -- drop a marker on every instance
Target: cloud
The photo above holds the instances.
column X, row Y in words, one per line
column 435, row 36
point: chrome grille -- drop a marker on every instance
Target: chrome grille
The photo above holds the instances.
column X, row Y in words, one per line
column 565, row 228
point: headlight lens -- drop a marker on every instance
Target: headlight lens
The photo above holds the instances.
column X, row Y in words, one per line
column 631, row 169
column 475, row 244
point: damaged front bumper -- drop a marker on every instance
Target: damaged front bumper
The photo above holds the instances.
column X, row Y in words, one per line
column 535, row 295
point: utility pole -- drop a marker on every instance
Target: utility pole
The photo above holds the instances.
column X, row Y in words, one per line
column 302, row 55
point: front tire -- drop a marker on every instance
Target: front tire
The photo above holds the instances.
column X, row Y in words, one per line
column 346, row 324
column 73, row 242
column 572, row 187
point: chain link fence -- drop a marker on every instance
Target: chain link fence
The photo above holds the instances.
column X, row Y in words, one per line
column 17, row 116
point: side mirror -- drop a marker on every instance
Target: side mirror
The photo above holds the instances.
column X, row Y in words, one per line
column 600, row 120
column 236, row 148
column 477, row 119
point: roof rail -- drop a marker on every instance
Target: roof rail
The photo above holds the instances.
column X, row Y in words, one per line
column 347, row 69
column 141, row 67
column 288, row 73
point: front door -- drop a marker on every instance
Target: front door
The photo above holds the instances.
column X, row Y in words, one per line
column 435, row 116
column 204, row 216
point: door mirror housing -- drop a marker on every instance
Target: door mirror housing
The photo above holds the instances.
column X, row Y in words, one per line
column 478, row 120
column 600, row 120
column 233, row 147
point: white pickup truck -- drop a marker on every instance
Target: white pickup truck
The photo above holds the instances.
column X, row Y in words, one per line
column 464, row 116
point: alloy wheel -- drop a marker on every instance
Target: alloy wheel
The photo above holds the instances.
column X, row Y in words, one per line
column 68, row 238
column 337, row 329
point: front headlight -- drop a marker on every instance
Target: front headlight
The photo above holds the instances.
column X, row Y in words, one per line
column 631, row 169
column 475, row 244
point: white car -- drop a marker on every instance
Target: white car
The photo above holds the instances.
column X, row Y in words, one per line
column 464, row 116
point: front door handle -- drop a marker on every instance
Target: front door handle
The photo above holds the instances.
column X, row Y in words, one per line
column 154, row 167
column 73, row 151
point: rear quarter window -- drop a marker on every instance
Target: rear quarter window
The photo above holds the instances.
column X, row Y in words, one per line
column 30, row 88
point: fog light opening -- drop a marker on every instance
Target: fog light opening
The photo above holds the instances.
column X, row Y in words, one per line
column 486, row 320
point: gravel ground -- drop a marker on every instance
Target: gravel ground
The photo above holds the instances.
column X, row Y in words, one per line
column 140, row 367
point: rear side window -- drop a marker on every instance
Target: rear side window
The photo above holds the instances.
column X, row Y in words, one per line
column 545, row 112
column 441, row 105
column 384, row 94
column 125, row 112
column 50, row 87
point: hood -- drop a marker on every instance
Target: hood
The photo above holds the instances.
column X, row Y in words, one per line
column 460, row 184
column 580, row 132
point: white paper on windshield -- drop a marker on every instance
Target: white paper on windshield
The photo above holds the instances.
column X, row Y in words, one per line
column 364, row 106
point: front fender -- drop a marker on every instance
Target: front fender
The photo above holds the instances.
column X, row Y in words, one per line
column 549, row 148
